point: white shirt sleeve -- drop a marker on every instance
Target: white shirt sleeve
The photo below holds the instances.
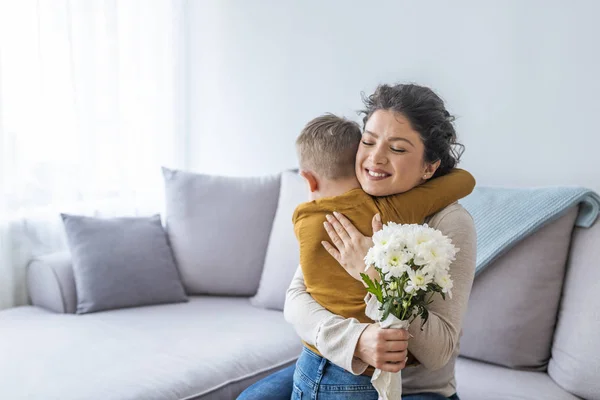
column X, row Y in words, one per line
column 334, row 336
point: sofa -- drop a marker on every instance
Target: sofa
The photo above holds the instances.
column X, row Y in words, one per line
column 531, row 330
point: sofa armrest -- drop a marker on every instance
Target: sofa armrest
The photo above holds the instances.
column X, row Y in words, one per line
column 52, row 284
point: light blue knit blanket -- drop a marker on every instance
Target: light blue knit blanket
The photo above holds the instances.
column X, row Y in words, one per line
column 504, row 216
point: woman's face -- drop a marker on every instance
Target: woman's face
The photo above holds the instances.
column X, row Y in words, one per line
column 390, row 156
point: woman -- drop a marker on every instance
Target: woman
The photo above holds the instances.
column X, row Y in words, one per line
column 408, row 138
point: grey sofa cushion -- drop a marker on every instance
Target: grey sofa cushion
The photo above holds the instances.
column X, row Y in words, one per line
column 480, row 381
column 219, row 228
column 575, row 363
column 209, row 348
column 283, row 253
column 514, row 302
column 121, row 262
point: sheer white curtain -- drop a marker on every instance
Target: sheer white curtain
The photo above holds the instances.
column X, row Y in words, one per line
column 91, row 105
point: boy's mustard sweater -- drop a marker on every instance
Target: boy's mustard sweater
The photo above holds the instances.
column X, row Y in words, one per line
column 326, row 280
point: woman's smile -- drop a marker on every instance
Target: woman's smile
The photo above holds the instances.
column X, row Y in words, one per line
column 376, row 174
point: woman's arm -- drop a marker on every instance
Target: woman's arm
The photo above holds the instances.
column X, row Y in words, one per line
column 344, row 341
column 435, row 344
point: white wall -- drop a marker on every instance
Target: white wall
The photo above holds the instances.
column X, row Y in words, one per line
column 523, row 77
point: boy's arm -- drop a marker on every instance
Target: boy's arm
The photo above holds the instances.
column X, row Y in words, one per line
column 432, row 196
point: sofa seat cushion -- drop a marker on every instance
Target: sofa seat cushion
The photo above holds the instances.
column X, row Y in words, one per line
column 481, row 381
column 209, row 348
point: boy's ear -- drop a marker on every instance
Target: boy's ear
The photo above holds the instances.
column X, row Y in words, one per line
column 311, row 179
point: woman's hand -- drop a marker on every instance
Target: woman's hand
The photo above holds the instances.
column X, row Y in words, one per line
column 385, row 349
column 351, row 246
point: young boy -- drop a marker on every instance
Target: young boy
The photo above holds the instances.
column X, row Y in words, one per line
column 326, row 150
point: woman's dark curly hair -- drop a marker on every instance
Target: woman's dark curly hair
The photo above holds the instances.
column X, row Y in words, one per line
column 427, row 115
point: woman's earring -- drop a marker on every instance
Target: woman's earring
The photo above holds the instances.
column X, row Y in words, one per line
column 425, row 176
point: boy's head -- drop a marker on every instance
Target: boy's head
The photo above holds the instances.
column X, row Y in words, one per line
column 327, row 147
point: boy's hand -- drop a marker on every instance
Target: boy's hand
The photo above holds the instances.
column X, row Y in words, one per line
column 349, row 245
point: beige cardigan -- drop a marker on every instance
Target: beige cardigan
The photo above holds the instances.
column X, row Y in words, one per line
column 436, row 346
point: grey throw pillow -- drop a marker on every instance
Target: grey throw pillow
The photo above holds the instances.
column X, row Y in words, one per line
column 121, row 262
column 514, row 302
column 283, row 254
column 219, row 228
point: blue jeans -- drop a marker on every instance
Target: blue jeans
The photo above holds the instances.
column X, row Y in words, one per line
column 313, row 377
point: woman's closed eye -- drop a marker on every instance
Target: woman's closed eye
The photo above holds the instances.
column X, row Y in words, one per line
column 395, row 150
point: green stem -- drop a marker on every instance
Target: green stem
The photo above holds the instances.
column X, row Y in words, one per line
column 383, row 283
column 406, row 309
column 430, row 297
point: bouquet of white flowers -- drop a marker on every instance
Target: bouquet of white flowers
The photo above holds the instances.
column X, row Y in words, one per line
column 412, row 262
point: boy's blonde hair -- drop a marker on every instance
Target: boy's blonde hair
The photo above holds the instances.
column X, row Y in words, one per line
column 327, row 146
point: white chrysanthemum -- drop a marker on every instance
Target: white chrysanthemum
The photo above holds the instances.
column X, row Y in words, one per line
column 417, row 281
column 371, row 257
column 418, row 235
column 397, row 270
column 433, row 249
column 376, row 256
column 445, row 282
column 394, row 262
column 383, row 237
column 409, row 253
column 396, row 258
column 430, row 269
column 430, row 254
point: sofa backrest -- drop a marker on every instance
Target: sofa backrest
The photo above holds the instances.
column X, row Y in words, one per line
column 575, row 362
